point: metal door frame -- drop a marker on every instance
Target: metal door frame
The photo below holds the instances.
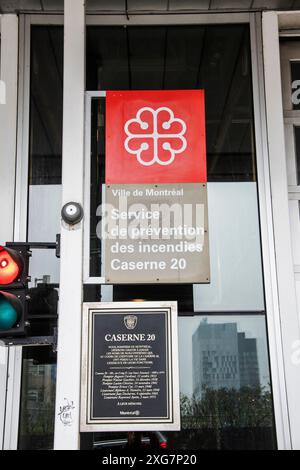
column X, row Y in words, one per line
column 264, row 190
column 273, row 22
column 264, row 185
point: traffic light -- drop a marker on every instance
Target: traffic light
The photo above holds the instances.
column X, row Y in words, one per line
column 14, row 264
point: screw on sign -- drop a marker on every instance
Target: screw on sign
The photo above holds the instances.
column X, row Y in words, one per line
column 155, row 137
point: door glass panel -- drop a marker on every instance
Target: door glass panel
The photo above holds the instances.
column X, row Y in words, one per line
column 235, row 252
column 117, row 59
column 46, row 105
column 37, row 398
column 295, row 76
column 233, row 228
column 97, row 170
column 225, row 390
column 36, row 428
column 215, row 58
column 45, row 162
column 297, row 151
column 226, row 396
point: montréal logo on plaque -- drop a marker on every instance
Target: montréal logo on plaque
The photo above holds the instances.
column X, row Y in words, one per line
column 130, row 322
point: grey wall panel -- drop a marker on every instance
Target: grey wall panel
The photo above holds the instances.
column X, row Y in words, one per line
column 53, row 5
column 143, row 5
column 156, row 5
column 105, row 5
column 226, row 4
column 15, row 5
column 189, row 4
column 272, row 4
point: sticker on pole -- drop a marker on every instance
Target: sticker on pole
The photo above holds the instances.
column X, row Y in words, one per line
column 155, row 137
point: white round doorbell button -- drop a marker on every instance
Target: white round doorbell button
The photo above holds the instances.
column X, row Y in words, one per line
column 72, row 213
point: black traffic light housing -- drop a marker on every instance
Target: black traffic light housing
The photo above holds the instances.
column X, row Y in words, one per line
column 14, row 267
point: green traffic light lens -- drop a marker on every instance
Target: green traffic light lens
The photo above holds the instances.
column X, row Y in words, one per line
column 8, row 315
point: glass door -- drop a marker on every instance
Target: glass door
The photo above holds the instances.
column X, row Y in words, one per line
column 225, row 379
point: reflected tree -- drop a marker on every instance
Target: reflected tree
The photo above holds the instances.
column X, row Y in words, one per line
column 227, row 418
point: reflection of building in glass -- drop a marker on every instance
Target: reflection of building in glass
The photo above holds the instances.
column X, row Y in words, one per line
column 223, row 358
column 40, row 385
column 37, row 411
column 248, row 361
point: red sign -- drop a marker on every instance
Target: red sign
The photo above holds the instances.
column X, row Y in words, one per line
column 155, row 137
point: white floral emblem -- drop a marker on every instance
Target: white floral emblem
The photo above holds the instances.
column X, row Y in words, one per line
column 155, row 136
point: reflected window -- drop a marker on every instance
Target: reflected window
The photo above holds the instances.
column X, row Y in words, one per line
column 45, row 152
column 46, row 105
column 215, row 58
column 36, row 430
column 295, row 76
column 37, row 399
column 218, row 59
column 226, row 396
column 234, row 233
column 297, row 151
column 225, row 389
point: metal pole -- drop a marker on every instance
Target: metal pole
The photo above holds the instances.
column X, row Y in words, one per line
column 8, row 131
column 69, row 337
column 281, row 220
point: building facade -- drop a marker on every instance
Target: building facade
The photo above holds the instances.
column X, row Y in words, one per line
column 216, row 358
column 239, row 335
column 223, row 359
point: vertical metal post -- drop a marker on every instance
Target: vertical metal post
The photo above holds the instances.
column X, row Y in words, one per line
column 290, row 329
column 8, row 122
column 70, row 309
column 8, row 132
column 267, row 238
column 11, row 434
column 3, row 382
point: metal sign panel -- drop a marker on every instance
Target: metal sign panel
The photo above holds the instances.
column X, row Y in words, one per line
column 156, row 234
column 130, row 367
column 155, row 136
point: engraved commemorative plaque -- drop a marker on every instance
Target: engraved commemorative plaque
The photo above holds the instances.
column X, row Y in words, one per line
column 130, row 367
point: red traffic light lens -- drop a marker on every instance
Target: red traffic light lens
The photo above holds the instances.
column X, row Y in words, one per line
column 10, row 266
column 163, row 445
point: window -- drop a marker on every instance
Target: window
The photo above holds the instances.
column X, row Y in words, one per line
column 36, row 429
column 223, row 351
column 216, row 58
column 226, row 395
column 37, row 398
